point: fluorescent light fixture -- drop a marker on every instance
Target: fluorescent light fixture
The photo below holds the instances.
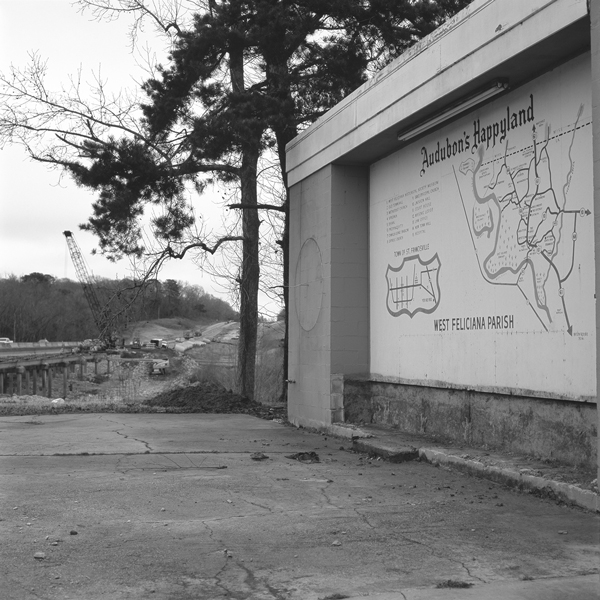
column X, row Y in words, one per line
column 469, row 102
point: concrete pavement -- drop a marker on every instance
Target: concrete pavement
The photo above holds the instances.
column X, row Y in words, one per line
column 564, row 483
column 172, row 506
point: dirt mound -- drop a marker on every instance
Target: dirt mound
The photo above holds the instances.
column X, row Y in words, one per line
column 208, row 397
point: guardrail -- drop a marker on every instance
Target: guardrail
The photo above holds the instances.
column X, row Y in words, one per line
column 18, row 345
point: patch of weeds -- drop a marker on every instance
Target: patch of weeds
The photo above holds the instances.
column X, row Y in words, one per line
column 452, row 583
column 269, row 376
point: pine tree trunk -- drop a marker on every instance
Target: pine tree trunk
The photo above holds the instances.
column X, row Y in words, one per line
column 249, row 276
column 285, row 246
column 250, row 268
column 284, row 135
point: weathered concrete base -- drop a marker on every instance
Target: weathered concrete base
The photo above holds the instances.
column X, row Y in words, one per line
column 546, row 429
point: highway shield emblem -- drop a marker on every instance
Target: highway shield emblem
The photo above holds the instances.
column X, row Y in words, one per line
column 413, row 287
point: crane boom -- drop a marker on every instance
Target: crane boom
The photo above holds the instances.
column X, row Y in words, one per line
column 88, row 285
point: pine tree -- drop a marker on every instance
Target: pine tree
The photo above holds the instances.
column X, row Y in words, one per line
column 243, row 78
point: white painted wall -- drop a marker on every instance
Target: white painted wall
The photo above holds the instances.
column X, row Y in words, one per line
column 309, row 323
column 329, row 319
column 482, row 251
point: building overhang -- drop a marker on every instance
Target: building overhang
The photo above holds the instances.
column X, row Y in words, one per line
column 509, row 40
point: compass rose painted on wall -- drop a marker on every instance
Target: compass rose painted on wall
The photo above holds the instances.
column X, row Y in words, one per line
column 309, row 284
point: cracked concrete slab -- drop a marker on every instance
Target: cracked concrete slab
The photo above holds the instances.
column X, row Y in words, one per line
column 523, row 473
column 173, row 507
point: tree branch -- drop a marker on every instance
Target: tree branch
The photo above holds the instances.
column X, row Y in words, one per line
column 258, row 206
column 170, row 253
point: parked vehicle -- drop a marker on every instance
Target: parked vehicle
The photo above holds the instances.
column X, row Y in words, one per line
column 158, row 343
column 160, row 367
column 4, row 341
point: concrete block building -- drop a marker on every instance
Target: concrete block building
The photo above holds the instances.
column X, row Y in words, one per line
column 444, row 223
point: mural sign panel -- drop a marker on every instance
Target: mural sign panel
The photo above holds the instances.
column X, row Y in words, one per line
column 482, row 249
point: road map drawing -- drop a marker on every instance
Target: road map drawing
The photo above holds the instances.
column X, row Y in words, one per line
column 523, row 217
column 413, row 286
column 481, row 246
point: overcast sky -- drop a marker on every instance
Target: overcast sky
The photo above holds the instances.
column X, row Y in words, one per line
column 35, row 208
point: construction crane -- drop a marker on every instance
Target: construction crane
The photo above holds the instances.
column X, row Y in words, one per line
column 101, row 316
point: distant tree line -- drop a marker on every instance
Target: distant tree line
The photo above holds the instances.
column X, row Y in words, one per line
column 38, row 306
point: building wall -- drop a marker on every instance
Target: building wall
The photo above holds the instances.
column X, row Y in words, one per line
column 329, row 318
column 350, row 271
column 595, row 57
column 329, row 165
column 482, row 246
column 309, row 311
